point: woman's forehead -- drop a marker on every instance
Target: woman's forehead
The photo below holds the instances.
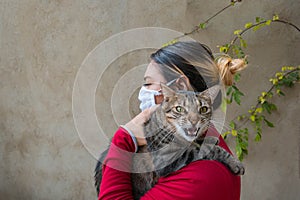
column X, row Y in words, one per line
column 153, row 73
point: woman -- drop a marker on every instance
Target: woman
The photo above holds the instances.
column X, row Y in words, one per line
column 184, row 66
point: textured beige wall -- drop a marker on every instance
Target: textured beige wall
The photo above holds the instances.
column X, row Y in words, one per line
column 43, row 44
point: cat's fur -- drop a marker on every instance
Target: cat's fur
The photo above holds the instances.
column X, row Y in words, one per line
column 175, row 137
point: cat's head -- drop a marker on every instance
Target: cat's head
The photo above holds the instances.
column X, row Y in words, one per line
column 189, row 112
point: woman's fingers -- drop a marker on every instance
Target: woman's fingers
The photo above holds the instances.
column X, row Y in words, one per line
column 136, row 125
column 148, row 112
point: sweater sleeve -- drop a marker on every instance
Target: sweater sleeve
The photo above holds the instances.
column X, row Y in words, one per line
column 116, row 179
column 201, row 179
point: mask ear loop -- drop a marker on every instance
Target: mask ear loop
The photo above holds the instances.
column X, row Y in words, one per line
column 160, row 97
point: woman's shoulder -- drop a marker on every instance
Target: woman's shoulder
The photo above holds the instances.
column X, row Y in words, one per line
column 208, row 179
column 204, row 169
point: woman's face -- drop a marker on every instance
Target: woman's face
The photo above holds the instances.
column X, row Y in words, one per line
column 153, row 77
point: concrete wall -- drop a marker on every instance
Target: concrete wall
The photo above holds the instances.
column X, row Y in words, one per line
column 43, row 44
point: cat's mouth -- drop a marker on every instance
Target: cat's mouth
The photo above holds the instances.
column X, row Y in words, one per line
column 191, row 132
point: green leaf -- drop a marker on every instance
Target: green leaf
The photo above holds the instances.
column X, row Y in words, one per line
column 244, row 145
column 290, row 79
column 248, row 25
column 238, row 150
column 232, row 124
column 234, row 132
column 266, row 106
column 259, row 110
column 243, row 43
column 284, row 68
column 236, row 94
column 270, row 124
column 170, row 42
column 257, row 19
column 268, row 22
column 229, row 90
column 231, row 98
column 202, row 25
column 273, row 107
column 263, row 94
column 252, row 118
column 237, row 90
column 228, row 101
column 223, row 49
column 279, row 92
column 261, row 99
column 270, row 94
column 275, row 17
column 255, row 28
column 237, row 98
column 224, row 135
column 237, row 77
column 241, row 117
column 279, row 75
column 257, row 137
column 224, row 105
column 237, row 32
column 237, row 50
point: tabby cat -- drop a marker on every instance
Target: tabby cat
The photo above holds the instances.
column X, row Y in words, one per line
column 175, row 137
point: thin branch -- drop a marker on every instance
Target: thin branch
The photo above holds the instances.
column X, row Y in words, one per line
column 197, row 28
column 257, row 24
column 289, row 23
column 219, row 12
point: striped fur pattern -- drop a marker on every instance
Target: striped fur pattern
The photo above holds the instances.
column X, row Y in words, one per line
column 175, row 137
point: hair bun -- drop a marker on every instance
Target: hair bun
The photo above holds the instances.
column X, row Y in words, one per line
column 228, row 67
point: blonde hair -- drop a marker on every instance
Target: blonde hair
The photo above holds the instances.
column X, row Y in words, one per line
column 228, row 67
column 196, row 61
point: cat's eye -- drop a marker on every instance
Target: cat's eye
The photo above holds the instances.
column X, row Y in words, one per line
column 203, row 109
column 179, row 109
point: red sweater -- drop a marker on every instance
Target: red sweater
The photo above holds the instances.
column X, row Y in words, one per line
column 201, row 180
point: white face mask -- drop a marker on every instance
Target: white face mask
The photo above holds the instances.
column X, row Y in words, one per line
column 147, row 97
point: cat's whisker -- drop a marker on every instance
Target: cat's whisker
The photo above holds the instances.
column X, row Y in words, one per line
column 170, row 131
column 223, row 124
column 223, row 127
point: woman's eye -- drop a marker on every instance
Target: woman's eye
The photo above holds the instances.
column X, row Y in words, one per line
column 179, row 109
column 147, row 84
column 203, row 109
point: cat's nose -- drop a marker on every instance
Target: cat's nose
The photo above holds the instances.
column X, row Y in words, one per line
column 194, row 119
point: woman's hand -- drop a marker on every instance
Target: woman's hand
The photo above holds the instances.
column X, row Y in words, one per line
column 136, row 125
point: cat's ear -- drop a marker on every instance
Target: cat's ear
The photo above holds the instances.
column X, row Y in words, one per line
column 167, row 92
column 212, row 92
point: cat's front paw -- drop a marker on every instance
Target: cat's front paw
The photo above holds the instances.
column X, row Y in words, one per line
column 238, row 169
column 211, row 140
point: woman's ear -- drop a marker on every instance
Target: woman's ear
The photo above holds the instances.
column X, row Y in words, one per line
column 183, row 83
column 167, row 92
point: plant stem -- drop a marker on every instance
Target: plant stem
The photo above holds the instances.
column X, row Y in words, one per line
column 197, row 28
column 273, row 86
column 257, row 24
column 289, row 23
